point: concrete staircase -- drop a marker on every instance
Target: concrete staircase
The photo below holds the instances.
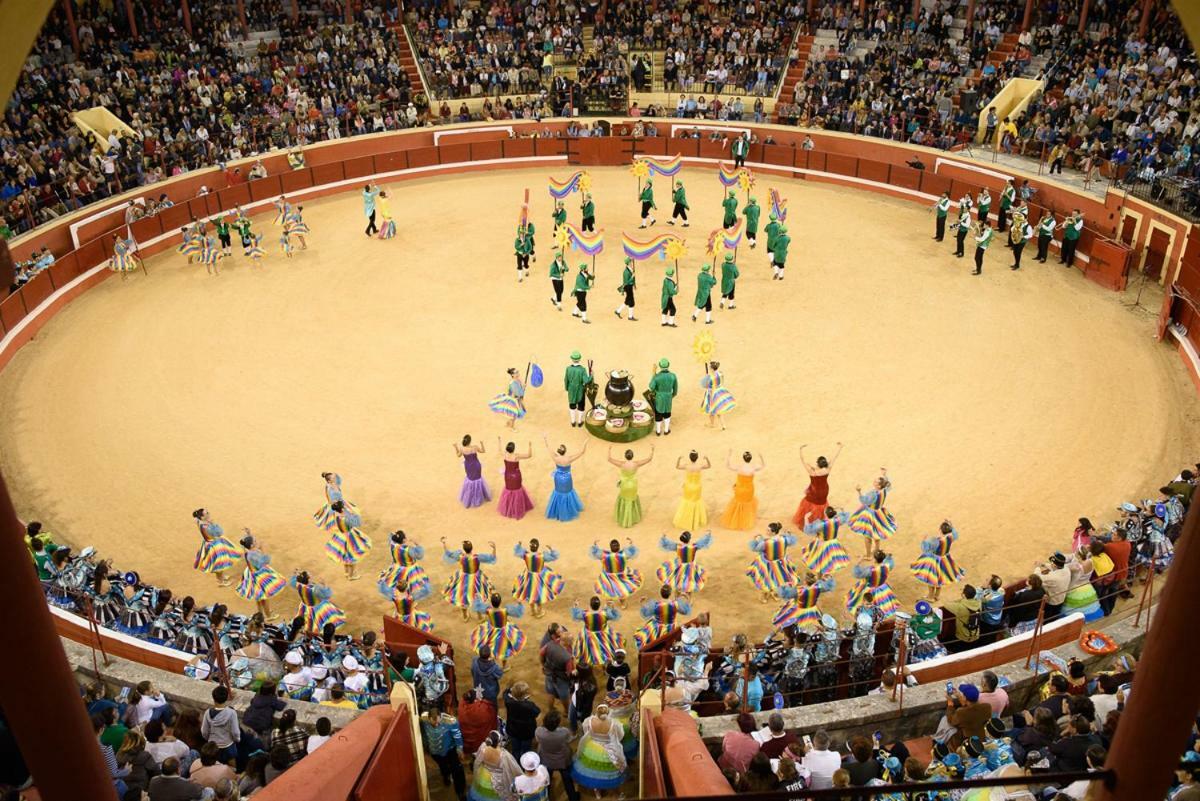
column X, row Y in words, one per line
column 797, row 68
column 251, row 42
column 408, row 59
column 1004, row 50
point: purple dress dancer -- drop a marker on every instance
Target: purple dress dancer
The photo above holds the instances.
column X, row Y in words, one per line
column 514, row 500
column 474, row 490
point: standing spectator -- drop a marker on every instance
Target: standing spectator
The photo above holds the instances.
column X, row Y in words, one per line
column 443, row 740
column 170, row 786
column 583, row 696
column 219, row 725
column 1056, row 579
column 291, row 737
column 993, row 694
column 821, row 762
column 534, row 782
column 1119, row 551
column 558, row 666
column 554, row 748
column 207, row 771
column 324, row 729
column 486, row 674
column 476, row 717
column 260, row 715
column 522, row 714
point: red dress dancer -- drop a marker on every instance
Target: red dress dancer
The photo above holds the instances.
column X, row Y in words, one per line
column 816, row 497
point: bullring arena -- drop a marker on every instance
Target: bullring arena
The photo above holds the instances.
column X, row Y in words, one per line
column 1005, row 403
column 190, row 369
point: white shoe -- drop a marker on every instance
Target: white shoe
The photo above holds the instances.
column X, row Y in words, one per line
column 731, row 305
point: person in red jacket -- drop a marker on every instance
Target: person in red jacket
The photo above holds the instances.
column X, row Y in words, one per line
column 1118, row 551
column 476, row 718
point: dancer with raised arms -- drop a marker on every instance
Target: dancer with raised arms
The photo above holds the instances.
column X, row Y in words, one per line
column 628, row 510
column 816, row 496
column 742, row 510
column 564, row 504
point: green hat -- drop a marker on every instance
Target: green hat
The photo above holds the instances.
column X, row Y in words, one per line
column 783, row 229
column 705, row 268
column 728, row 257
column 731, row 193
column 628, row 260
column 670, row 271
column 576, row 355
column 774, row 216
column 663, row 363
column 753, row 201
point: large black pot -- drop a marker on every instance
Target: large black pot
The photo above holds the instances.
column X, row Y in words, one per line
column 619, row 389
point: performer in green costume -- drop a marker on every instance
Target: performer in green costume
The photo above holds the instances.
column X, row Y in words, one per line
column 628, row 282
column 751, row 212
column 576, row 379
column 704, row 285
column 729, row 277
column 670, row 288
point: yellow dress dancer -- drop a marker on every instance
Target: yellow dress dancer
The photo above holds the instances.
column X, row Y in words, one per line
column 742, row 511
column 691, row 513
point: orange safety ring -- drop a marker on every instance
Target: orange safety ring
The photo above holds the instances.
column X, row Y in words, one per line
column 1097, row 643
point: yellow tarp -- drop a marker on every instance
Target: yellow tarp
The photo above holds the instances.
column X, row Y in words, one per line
column 101, row 122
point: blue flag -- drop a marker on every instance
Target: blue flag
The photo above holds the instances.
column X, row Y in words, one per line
column 535, row 375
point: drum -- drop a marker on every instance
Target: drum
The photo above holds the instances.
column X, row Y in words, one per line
column 619, row 389
column 641, row 420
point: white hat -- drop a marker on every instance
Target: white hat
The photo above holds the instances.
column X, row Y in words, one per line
column 425, row 654
column 293, row 658
column 530, row 761
column 349, row 663
column 690, row 636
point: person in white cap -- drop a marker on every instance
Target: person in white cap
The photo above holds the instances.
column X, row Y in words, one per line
column 356, row 680
column 298, row 682
column 534, row 783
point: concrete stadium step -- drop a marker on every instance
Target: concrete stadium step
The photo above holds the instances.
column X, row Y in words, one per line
column 408, row 61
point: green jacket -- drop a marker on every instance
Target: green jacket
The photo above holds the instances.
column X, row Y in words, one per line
column 1071, row 231
column 647, row 195
column 583, row 281
column 589, row 209
column 222, row 228
column 669, row 289
column 576, row 378
column 781, row 248
column 729, row 276
column 730, row 206
column 1006, row 197
column 943, row 207
column 704, row 285
column 752, row 212
column 557, row 269
column 560, row 217
column 627, row 278
column 521, row 246
column 680, row 197
column 983, row 241
column 772, row 229
column 665, row 387
column 243, row 227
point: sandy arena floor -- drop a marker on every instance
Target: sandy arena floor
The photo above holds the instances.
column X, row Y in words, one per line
column 1010, row 403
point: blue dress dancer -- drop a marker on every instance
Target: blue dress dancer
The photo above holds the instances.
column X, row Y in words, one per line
column 564, row 504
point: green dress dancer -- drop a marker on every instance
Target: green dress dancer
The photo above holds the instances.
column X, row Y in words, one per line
column 670, row 288
column 665, row 387
column 752, row 212
column 628, row 510
column 560, row 214
column 704, row 285
column 530, row 246
column 772, row 229
column 647, row 198
column 730, row 206
column 729, row 277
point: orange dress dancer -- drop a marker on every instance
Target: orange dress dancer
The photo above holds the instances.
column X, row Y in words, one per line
column 742, row 511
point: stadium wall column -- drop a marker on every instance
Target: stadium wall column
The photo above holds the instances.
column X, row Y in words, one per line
column 1028, row 15
column 1147, row 5
column 37, row 686
column 971, row 16
column 187, row 16
column 241, row 7
column 1154, row 728
column 70, row 12
column 133, row 32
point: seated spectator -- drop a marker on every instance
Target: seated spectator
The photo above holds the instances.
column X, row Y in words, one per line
column 862, row 767
column 759, row 777
column 992, row 694
column 278, row 761
column 324, row 730
column 140, row 764
column 290, row 737
column 777, row 739
column 965, row 717
column 1022, row 610
column 739, row 747
column 170, row 786
column 337, row 698
column 821, row 762
column 161, row 746
column 151, row 705
column 1069, row 753
column 966, row 611
column 207, row 770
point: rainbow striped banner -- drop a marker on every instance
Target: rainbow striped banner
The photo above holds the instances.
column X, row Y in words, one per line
column 732, row 237
column 778, row 206
column 640, row 251
column 590, row 242
column 667, row 167
column 728, row 175
column 560, row 189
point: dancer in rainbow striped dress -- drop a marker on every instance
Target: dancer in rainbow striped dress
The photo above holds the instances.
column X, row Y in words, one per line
column 494, row 771
column 661, row 617
column 324, row 517
column 210, row 255
column 872, row 586
column 800, row 604
column 193, row 235
column 717, row 400
column 872, row 520
column 294, row 225
column 282, row 210
column 683, row 573
column 316, row 610
column 406, row 608
column 617, row 580
column 124, row 258
column 597, row 643
column 255, row 251
column 468, row 584
column 935, row 567
column 825, row 554
column 504, row 638
column 771, row 570
column 347, row 544
column 260, row 581
column 404, row 568
column 216, row 555
column 538, row 584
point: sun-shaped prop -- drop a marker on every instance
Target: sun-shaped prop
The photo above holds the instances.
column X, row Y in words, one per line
column 640, row 169
column 675, row 250
column 562, row 237
column 704, row 347
column 711, row 247
column 585, row 182
column 745, row 180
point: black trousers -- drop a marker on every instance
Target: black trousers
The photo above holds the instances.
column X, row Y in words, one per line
column 628, row 295
column 960, row 238
column 1016, row 249
column 729, row 295
column 941, row 228
column 576, row 405
column 589, row 224
column 557, row 283
column 707, row 305
column 522, row 261
column 568, row 782
column 225, row 239
column 1043, row 246
column 669, row 309
column 679, row 211
column 1002, row 215
column 1056, row 165
column 983, row 214
column 371, row 229
column 452, row 772
column 646, row 206
column 581, row 301
column 739, row 161
column 1068, row 251
column 979, row 259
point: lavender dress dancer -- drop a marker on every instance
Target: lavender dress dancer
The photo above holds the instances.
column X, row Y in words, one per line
column 474, row 490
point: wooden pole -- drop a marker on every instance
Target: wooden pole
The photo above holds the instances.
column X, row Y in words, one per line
column 1028, row 15
column 1147, row 7
column 70, row 14
column 129, row 16
column 241, row 9
column 1083, row 15
column 1037, row 629
column 1147, row 597
column 187, row 16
